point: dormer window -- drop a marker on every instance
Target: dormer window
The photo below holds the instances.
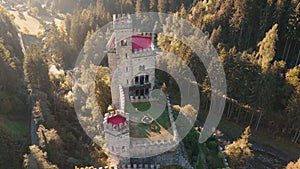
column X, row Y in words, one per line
column 124, row 42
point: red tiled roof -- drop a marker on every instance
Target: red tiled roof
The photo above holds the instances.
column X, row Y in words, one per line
column 116, row 120
column 141, row 42
column 138, row 42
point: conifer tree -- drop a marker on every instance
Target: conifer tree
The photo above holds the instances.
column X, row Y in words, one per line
column 240, row 151
column 162, row 6
column 293, row 165
column 267, row 48
column 293, row 107
column 37, row 159
column 153, row 6
column 138, row 6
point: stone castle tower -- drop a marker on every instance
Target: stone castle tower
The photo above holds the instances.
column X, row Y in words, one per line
column 116, row 126
column 131, row 58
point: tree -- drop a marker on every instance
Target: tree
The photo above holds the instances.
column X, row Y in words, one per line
column 162, row 6
column 267, row 48
column 182, row 11
column 164, row 87
column 189, row 111
column 8, row 70
column 240, row 151
column 37, row 159
column 153, row 5
column 102, row 83
column 50, row 141
column 215, row 36
column 293, row 165
column 36, row 68
column 293, row 32
column 293, row 107
column 238, row 17
column 9, row 34
column 138, row 6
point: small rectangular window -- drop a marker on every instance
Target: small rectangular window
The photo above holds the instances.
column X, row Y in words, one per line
column 123, row 42
column 126, row 55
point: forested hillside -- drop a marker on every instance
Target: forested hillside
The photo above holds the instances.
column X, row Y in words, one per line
column 258, row 42
column 14, row 114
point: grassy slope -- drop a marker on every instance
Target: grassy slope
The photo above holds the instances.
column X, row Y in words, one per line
column 25, row 21
column 14, row 133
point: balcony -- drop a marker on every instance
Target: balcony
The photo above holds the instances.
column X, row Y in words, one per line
column 140, row 86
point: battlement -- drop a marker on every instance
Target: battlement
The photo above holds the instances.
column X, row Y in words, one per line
column 152, row 147
column 144, row 52
column 122, row 21
column 127, row 166
column 149, row 143
column 116, row 127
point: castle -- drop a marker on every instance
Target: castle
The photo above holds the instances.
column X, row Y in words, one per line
column 131, row 58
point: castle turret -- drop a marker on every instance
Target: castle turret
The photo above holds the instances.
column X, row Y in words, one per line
column 131, row 58
column 116, row 127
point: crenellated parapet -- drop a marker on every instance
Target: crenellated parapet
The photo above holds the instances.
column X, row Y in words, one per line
column 122, row 126
column 152, row 146
column 126, row 166
column 122, row 21
column 144, row 52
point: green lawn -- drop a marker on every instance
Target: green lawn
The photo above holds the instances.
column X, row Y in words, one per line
column 142, row 106
column 142, row 130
